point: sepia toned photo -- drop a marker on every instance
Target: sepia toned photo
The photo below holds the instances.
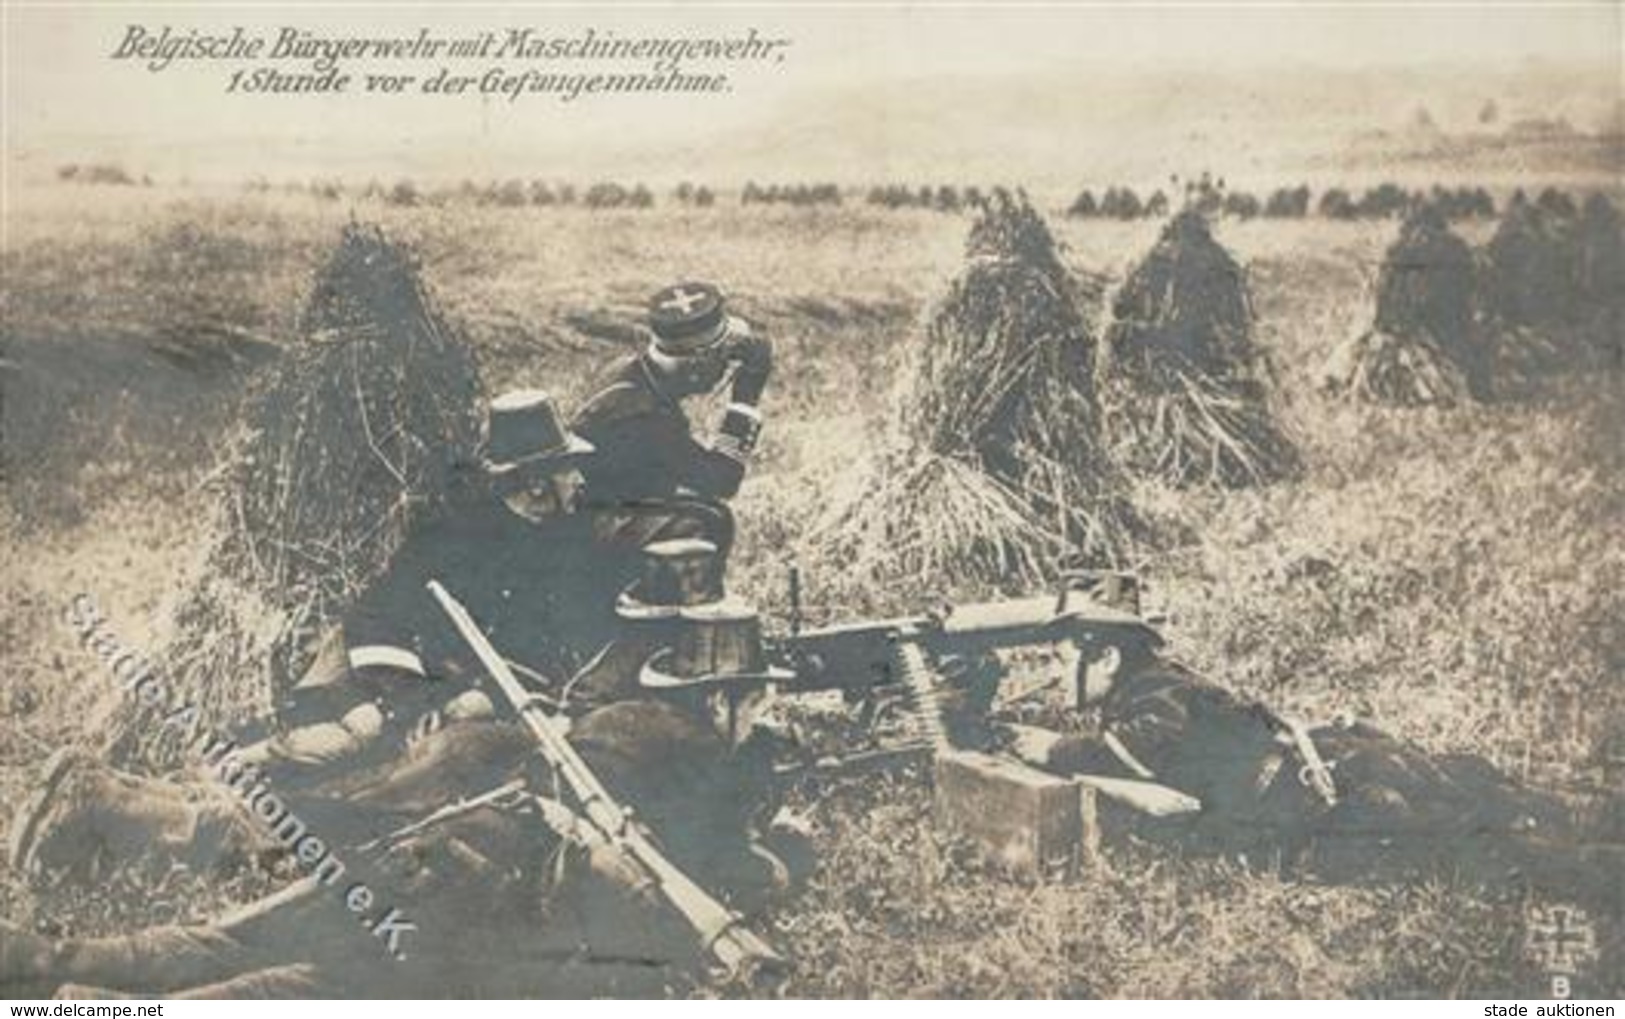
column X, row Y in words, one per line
column 813, row 501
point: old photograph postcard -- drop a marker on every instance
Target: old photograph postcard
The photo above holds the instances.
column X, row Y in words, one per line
column 819, row 500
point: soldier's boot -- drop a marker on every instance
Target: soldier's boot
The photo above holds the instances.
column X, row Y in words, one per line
column 25, row 827
column 159, row 960
column 272, row 982
column 88, row 819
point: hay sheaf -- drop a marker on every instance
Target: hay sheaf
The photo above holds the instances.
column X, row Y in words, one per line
column 363, row 429
column 1422, row 348
column 1403, row 370
column 1184, row 389
column 1598, row 266
column 992, row 469
column 1537, row 319
column 1187, row 298
column 936, row 519
column 1006, row 354
column 1527, row 278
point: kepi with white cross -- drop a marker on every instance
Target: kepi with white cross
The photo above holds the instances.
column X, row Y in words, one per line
column 689, row 318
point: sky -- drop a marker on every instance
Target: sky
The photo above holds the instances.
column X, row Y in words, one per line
column 972, row 67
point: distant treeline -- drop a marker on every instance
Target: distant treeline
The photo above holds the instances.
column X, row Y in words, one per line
column 100, row 173
column 1206, row 194
column 790, row 194
column 511, row 193
column 941, row 197
column 1381, row 202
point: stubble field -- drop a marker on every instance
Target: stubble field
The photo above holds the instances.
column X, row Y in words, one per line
column 1456, row 577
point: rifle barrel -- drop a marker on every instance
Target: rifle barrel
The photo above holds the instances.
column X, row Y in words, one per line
column 721, row 930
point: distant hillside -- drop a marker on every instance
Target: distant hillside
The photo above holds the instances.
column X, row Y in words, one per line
column 1526, row 145
column 1054, row 129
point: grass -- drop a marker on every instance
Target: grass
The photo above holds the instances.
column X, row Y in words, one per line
column 1453, row 576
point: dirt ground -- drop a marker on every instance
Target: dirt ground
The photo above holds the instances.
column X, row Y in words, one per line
column 1456, row 577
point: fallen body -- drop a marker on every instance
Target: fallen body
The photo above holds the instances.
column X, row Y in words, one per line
column 1345, row 802
column 502, row 905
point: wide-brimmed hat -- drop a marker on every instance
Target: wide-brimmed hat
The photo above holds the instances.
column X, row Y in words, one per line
column 678, row 574
column 526, row 428
column 690, row 318
column 717, row 644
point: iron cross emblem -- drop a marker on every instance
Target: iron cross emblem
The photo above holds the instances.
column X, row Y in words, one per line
column 1561, row 938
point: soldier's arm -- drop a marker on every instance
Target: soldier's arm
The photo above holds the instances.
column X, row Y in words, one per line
column 742, row 422
column 664, row 441
column 635, row 431
column 1150, row 731
column 753, row 352
column 391, row 613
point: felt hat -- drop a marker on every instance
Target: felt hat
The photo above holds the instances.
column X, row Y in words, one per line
column 524, row 427
column 677, row 574
column 715, row 644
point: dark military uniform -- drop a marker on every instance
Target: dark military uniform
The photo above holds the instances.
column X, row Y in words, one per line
column 1171, row 726
column 1398, row 811
column 651, row 480
column 490, row 916
column 544, row 594
column 486, row 920
column 398, row 668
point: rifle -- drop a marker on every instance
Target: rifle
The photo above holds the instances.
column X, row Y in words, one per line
column 502, row 796
column 742, row 953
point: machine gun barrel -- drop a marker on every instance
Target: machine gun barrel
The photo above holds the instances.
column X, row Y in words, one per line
column 860, row 655
column 742, row 953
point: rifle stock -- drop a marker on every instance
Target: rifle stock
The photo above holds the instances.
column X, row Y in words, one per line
column 742, row 953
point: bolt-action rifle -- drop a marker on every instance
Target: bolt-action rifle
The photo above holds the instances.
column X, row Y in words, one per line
column 742, row 953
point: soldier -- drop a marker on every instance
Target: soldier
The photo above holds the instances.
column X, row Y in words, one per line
column 522, row 559
column 678, row 574
column 490, row 913
column 489, row 903
column 651, row 479
column 691, row 650
column 396, row 669
column 1346, row 801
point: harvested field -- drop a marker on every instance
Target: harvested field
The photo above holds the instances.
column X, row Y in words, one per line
column 1453, row 576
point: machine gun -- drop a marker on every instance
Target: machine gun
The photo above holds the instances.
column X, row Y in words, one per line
column 861, row 659
column 741, row 952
